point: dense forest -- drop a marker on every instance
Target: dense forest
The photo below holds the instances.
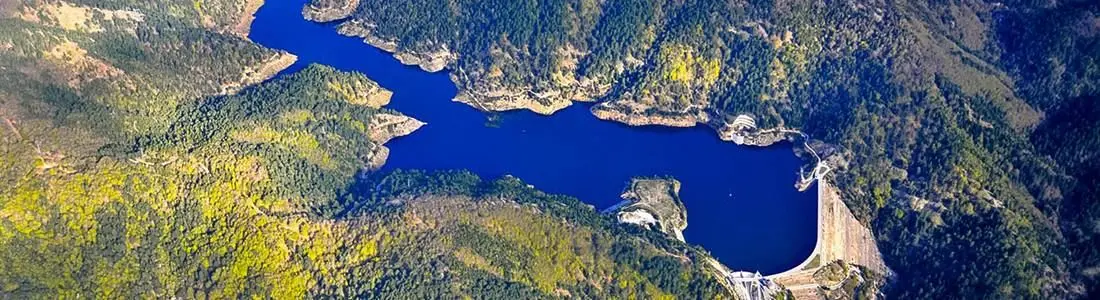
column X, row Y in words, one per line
column 138, row 161
column 137, row 158
column 1070, row 136
column 966, row 125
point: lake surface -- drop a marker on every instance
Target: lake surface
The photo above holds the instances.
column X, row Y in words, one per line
column 741, row 202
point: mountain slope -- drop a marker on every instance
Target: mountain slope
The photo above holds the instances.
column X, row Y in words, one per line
column 929, row 106
column 142, row 157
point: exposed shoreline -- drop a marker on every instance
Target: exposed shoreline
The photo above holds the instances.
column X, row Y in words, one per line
column 654, row 204
column 491, row 98
column 740, row 131
column 248, row 13
column 323, row 14
column 383, row 128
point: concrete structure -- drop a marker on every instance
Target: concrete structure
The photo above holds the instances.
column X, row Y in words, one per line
column 839, row 237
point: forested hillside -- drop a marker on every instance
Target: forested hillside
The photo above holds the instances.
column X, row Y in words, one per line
column 141, row 158
column 134, row 66
column 1071, row 136
column 934, row 106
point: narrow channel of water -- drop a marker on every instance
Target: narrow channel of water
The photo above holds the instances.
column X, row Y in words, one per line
column 740, row 201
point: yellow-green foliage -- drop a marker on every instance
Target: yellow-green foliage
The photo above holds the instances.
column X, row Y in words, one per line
column 236, row 196
column 683, row 65
column 785, row 68
column 359, row 91
column 560, row 256
column 246, row 249
column 795, row 55
column 63, row 237
column 190, row 220
column 138, row 80
column 296, row 117
column 470, row 258
column 527, row 246
column 301, row 142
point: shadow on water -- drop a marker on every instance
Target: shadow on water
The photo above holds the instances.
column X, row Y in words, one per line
column 741, row 203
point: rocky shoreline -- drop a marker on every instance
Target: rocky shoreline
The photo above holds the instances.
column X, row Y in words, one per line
column 430, row 61
column 483, row 94
column 741, row 131
column 248, row 13
column 488, row 94
column 383, row 128
column 504, row 100
column 635, row 114
column 653, row 204
column 329, row 10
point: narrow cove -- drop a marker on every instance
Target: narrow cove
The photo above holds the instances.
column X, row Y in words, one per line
column 741, row 202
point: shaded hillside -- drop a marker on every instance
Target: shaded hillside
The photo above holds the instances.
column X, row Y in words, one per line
column 1071, row 135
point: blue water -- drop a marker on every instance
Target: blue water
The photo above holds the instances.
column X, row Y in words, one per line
column 741, row 203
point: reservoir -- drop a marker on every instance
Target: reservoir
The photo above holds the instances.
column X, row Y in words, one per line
column 741, row 202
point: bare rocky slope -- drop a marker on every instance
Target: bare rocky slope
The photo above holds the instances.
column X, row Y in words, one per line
column 653, row 204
